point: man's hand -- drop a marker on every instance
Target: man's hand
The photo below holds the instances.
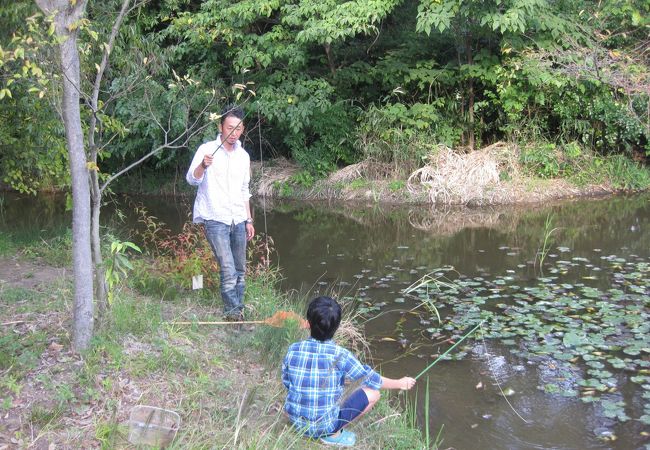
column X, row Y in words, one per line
column 201, row 168
column 406, row 383
column 250, row 231
column 207, row 161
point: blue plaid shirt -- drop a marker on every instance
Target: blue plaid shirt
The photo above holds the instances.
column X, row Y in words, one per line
column 314, row 373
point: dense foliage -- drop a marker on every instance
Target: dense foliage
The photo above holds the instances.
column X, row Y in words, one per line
column 338, row 81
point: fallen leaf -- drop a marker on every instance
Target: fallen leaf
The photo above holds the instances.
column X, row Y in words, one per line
column 55, row 347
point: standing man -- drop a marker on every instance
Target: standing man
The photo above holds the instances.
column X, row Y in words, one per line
column 221, row 170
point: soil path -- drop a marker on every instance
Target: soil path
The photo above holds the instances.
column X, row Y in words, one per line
column 19, row 273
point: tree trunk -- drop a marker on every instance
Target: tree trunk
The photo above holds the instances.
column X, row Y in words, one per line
column 67, row 14
column 470, row 93
column 81, row 256
column 101, row 289
column 330, row 59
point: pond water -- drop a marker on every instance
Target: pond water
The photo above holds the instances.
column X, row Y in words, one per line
column 562, row 356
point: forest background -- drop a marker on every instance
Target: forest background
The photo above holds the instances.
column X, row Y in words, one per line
column 331, row 83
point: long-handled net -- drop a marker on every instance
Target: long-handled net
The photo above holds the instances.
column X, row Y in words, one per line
column 277, row 320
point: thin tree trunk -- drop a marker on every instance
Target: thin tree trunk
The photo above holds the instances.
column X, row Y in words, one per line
column 330, row 59
column 462, row 95
column 81, row 257
column 68, row 14
column 101, row 289
column 470, row 91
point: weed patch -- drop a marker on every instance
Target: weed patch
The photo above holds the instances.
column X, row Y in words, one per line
column 20, row 352
column 55, row 251
column 210, row 375
column 130, row 316
column 42, row 416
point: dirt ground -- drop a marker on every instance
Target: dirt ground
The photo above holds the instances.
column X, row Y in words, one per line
column 36, row 305
column 19, row 273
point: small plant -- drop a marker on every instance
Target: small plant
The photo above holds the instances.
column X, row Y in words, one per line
column 152, row 282
column 10, row 383
column 396, row 185
column 154, row 231
column 284, row 189
column 259, row 254
column 546, row 243
column 303, row 179
column 359, row 183
column 187, row 254
column 430, row 282
column 42, row 416
column 541, row 160
column 118, row 265
column 64, row 393
column 182, row 255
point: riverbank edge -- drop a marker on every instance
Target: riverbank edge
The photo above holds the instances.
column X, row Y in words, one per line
column 277, row 179
column 280, row 179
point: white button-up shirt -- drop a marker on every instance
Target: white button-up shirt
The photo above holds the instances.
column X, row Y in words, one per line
column 223, row 189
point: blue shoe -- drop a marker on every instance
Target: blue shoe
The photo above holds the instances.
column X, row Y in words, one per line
column 344, row 439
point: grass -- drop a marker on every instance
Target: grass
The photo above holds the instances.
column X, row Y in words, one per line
column 224, row 382
column 627, row 174
column 7, row 244
column 545, row 245
column 53, row 246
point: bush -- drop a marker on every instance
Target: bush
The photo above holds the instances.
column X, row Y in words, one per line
column 548, row 160
column 542, row 160
column 403, row 135
column 180, row 255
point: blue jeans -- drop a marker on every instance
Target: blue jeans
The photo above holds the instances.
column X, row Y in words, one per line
column 228, row 243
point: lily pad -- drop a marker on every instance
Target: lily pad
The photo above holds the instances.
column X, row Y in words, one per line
column 572, row 339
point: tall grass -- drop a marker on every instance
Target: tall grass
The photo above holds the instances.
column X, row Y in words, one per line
column 52, row 246
column 546, row 243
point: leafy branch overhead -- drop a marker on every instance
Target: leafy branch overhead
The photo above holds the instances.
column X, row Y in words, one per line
column 336, row 81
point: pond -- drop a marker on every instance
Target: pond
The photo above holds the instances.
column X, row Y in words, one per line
column 562, row 356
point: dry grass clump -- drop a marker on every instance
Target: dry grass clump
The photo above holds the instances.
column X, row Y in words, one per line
column 455, row 178
column 281, row 172
column 368, row 169
column 350, row 335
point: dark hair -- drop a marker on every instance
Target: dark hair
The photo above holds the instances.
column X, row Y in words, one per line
column 324, row 317
column 231, row 111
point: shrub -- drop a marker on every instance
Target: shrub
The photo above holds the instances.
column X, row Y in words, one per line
column 541, row 160
column 403, row 135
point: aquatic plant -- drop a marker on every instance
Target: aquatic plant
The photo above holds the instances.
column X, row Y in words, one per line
column 427, row 286
column 546, row 243
column 593, row 336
